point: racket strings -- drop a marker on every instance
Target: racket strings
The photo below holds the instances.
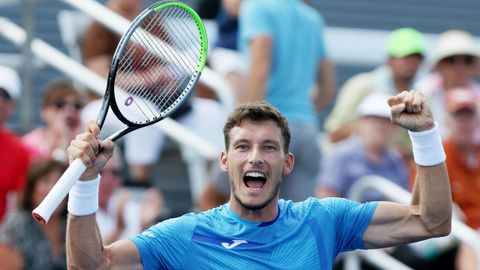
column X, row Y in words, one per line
column 189, row 64
column 174, row 73
column 159, row 64
column 176, row 30
column 171, row 39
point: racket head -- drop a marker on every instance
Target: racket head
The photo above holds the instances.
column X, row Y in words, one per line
column 157, row 64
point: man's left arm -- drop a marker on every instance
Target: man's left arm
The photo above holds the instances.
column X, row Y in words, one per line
column 430, row 211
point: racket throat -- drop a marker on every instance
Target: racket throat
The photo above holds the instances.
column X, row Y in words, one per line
column 120, row 133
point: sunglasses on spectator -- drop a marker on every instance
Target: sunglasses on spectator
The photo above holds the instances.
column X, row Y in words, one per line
column 4, row 94
column 63, row 104
column 115, row 172
column 460, row 59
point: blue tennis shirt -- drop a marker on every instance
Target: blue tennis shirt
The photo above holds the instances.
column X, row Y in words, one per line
column 305, row 235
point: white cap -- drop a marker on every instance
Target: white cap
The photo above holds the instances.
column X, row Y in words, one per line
column 455, row 42
column 10, row 81
column 375, row 104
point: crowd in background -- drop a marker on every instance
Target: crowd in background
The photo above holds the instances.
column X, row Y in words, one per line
column 266, row 50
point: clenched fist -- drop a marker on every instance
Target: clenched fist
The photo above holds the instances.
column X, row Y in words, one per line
column 410, row 110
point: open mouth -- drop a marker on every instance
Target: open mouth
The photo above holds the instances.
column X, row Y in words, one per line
column 254, row 180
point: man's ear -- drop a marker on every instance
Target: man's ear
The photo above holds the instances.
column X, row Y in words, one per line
column 289, row 163
column 223, row 161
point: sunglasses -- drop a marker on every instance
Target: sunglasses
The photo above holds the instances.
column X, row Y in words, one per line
column 115, row 172
column 460, row 59
column 62, row 104
column 4, row 94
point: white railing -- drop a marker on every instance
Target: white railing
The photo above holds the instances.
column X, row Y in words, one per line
column 396, row 193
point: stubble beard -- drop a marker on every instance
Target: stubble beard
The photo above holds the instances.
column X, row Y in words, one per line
column 273, row 195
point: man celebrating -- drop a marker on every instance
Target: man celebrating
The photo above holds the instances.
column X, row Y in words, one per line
column 256, row 229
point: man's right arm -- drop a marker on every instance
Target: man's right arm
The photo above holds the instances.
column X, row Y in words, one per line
column 84, row 243
column 86, row 251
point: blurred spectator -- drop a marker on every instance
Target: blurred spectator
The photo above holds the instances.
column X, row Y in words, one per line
column 405, row 53
column 463, row 160
column 224, row 58
column 208, row 9
column 13, row 155
column 99, row 45
column 120, row 215
column 60, row 112
column 26, row 244
column 454, row 60
column 289, row 68
column 366, row 152
column 463, row 152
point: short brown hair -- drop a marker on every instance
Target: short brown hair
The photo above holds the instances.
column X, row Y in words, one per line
column 57, row 90
column 257, row 111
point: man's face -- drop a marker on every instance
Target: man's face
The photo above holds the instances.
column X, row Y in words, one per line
column 405, row 67
column 376, row 131
column 462, row 125
column 457, row 69
column 64, row 113
column 255, row 162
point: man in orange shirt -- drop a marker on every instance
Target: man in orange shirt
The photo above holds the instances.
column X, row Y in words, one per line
column 463, row 160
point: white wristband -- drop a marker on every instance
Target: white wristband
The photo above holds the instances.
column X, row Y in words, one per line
column 427, row 147
column 83, row 197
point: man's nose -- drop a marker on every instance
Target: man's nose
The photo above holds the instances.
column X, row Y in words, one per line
column 255, row 157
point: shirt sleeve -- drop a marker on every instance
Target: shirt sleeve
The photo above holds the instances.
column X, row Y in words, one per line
column 165, row 245
column 253, row 20
column 351, row 219
column 322, row 49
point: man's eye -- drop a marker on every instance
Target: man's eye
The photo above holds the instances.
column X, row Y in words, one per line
column 270, row 147
column 242, row 146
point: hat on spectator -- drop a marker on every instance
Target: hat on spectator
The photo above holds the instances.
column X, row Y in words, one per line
column 455, row 42
column 404, row 42
column 460, row 98
column 375, row 104
column 10, row 82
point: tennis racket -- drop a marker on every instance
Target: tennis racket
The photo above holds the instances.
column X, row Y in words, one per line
column 155, row 67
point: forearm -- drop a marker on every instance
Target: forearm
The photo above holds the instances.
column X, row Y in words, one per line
column 325, row 90
column 84, row 243
column 255, row 87
column 86, row 251
column 232, row 7
column 260, row 48
column 432, row 196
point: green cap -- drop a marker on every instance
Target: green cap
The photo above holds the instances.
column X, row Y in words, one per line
column 405, row 41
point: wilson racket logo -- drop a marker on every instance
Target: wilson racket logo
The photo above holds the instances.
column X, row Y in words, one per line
column 129, row 101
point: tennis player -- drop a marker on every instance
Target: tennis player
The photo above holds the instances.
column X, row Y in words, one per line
column 255, row 229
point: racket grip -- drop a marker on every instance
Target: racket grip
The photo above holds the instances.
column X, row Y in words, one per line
column 45, row 209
